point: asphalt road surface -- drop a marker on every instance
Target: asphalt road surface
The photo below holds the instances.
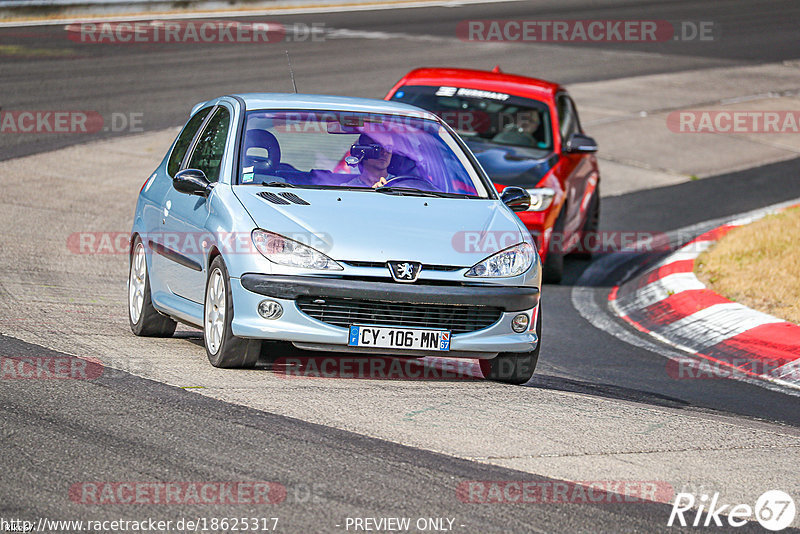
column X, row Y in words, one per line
column 348, row 457
column 141, row 430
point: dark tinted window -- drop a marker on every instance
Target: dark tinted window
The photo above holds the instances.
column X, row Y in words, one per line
column 184, row 140
column 207, row 155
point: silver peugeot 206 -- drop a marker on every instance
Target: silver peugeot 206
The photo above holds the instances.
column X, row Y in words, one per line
column 335, row 224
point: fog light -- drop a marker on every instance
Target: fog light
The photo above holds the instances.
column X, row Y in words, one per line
column 520, row 323
column 269, row 309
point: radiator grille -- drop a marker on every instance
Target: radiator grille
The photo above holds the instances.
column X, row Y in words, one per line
column 425, row 266
column 345, row 312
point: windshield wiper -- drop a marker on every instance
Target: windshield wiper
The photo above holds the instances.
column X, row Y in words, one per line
column 410, row 190
column 421, row 192
column 277, row 184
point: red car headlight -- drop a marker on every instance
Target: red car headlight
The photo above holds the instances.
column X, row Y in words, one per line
column 541, row 198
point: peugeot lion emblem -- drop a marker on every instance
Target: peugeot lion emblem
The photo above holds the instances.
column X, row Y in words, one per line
column 405, row 271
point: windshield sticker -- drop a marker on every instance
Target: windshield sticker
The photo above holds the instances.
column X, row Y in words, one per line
column 247, row 177
column 471, row 93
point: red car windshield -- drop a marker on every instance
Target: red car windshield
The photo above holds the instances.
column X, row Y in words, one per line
column 330, row 149
column 495, row 117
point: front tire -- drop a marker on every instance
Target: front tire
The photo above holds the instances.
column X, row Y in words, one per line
column 590, row 227
column 553, row 268
column 222, row 347
column 143, row 318
column 514, row 367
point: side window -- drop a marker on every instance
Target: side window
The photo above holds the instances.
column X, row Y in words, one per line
column 207, row 155
column 574, row 109
column 567, row 119
column 184, row 140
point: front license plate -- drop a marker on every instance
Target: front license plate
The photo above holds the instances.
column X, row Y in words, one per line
column 386, row 337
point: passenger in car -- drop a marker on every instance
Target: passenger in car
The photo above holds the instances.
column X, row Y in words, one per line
column 524, row 131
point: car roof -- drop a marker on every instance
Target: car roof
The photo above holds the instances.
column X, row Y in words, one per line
column 483, row 79
column 330, row 103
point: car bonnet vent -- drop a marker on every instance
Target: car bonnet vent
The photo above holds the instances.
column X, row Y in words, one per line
column 294, row 198
column 272, row 197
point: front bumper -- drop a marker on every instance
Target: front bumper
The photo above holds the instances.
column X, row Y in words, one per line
column 290, row 287
column 303, row 330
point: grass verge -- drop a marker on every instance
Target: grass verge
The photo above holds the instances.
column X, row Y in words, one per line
column 758, row 265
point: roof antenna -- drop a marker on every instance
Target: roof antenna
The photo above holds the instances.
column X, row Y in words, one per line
column 291, row 71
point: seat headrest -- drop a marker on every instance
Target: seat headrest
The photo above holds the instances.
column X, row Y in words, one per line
column 267, row 141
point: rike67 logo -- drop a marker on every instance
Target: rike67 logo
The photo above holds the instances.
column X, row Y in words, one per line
column 774, row 510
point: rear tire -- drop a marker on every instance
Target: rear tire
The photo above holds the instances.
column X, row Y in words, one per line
column 222, row 347
column 143, row 318
column 514, row 367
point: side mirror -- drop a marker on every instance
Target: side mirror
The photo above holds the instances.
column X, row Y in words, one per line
column 192, row 182
column 516, row 198
column 580, row 143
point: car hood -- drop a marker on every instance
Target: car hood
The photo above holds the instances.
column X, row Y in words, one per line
column 512, row 165
column 377, row 227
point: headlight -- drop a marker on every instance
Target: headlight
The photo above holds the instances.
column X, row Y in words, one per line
column 541, row 198
column 512, row 261
column 284, row 251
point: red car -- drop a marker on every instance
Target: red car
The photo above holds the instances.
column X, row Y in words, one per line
column 525, row 132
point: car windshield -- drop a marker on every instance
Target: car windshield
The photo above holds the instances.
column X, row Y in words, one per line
column 331, row 149
column 491, row 116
